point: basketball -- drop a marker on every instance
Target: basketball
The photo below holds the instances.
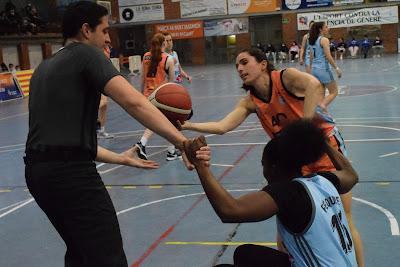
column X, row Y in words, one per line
column 173, row 100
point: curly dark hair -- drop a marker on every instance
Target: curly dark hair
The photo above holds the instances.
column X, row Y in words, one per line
column 300, row 143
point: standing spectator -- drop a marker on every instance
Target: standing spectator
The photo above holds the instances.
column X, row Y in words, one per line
column 13, row 20
column 283, row 52
column 270, row 51
column 294, row 51
column 353, row 47
column 377, row 47
column 341, row 48
column 365, row 46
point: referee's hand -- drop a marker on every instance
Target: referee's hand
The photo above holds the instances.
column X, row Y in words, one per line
column 130, row 159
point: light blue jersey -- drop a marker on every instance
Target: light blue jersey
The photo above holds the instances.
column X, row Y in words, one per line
column 307, row 59
column 319, row 58
column 321, row 68
column 177, row 73
column 326, row 241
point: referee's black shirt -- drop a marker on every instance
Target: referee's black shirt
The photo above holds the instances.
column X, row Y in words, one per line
column 64, row 99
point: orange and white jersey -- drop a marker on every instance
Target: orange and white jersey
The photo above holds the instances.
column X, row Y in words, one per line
column 284, row 108
column 161, row 77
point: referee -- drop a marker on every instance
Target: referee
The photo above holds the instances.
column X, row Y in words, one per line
column 61, row 146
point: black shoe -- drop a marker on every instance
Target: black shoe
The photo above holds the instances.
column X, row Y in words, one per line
column 141, row 152
column 174, row 156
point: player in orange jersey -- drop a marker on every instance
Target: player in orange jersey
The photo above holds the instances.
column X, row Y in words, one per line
column 278, row 98
column 158, row 68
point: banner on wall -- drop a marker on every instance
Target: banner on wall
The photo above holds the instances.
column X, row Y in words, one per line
column 128, row 14
column 349, row 18
column 226, row 26
column 250, row 6
column 138, row 2
column 300, row 4
column 9, row 88
column 200, row 8
column 182, row 30
column 347, row 2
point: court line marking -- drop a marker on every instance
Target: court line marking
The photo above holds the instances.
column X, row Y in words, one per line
column 394, row 227
column 240, row 126
column 388, row 155
column 171, row 228
column 263, row 143
column 15, row 204
column 13, row 116
column 220, row 243
column 375, row 93
column 16, row 208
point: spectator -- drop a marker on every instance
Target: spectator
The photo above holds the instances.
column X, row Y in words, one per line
column 294, row 51
column 365, row 46
column 3, row 67
column 341, row 48
column 332, row 47
column 260, row 46
column 353, row 47
column 270, row 51
column 13, row 20
column 377, row 47
column 283, row 52
column 12, row 69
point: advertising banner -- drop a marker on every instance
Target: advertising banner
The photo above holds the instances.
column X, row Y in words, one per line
column 226, row 26
column 200, row 8
column 300, row 4
column 24, row 79
column 128, row 14
column 349, row 18
column 250, row 6
column 347, row 2
column 182, row 30
column 138, row 2
column 8, row 87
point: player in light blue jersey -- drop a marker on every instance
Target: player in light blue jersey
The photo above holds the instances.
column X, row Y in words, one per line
column 321, row 61
column 305, row 50
column 310, row 215
column 180, row 74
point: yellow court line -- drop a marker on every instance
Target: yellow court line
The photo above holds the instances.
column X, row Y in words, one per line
column 108, row 187
column 5, row 190
column 129, row 187
column 155, row 186
column 383, row 183
column 221, row 243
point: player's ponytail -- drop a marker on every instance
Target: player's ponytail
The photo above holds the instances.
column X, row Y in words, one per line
column 156, row 46
column 315, row 31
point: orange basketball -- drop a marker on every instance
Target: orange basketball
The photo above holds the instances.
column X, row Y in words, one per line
column 173, row 100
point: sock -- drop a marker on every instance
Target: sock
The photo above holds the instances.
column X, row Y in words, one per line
column 171, row 149
column 102, row 129
column 143, row 140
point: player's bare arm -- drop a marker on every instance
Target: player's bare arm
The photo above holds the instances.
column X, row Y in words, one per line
column 252, row 207
column 304, row 85
column 242, row 110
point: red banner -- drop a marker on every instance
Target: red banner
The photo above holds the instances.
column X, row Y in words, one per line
column 182, row 30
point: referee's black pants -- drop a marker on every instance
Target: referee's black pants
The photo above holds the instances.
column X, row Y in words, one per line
column 77, row 203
